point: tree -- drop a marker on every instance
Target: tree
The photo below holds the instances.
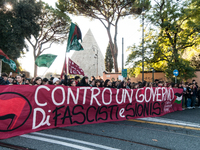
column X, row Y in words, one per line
column 195, row 61
column 174, row 30
column 108, row 60
column 16, row 24
column 54, row 26
column 108, row 12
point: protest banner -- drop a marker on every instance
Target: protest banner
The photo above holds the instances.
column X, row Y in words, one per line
column 25, row 109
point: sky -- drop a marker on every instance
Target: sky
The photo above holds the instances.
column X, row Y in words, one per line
column 128, row 28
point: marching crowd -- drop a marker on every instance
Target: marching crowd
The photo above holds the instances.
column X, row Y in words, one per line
column 191, row 91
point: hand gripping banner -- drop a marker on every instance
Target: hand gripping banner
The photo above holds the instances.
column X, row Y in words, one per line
column 25, row 109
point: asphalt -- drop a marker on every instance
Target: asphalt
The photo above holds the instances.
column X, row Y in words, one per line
column 125, row 135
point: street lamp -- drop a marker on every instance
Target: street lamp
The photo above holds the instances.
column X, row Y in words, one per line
column 95, row 49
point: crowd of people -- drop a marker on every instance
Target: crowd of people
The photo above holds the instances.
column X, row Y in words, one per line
column 191, row 91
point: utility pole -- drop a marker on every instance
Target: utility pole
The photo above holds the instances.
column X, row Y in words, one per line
column 122, row 53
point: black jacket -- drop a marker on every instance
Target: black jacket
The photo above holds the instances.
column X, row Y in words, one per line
column 2, row 81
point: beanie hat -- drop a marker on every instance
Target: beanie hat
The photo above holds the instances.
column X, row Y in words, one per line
column 54, row 80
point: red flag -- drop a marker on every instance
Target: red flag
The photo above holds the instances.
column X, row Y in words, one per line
column 4, row 55
column 64, row 70
column 74, row 68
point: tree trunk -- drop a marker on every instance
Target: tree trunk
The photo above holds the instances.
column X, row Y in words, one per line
column 114, row 51
column 115, row 63
column 35, row 70
column 35, row 66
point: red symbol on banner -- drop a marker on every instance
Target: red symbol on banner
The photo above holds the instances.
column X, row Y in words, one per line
column 11, row 109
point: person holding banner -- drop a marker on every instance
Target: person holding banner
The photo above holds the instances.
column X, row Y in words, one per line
column 38, row 81
column 56, row 81
column 84, row 82
column 2, row 81
column 20, row 80
column 72, row 83
column 108, row 83
column 77, row 80
column 97, row 83
column 5, row 77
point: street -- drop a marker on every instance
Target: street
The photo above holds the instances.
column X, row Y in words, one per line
column 177, row 131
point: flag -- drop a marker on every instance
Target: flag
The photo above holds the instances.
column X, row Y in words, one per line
column 74, row 36
column 74, row 68
column 8, row 61
column 178, row 98
column 45, row 60
column 64, row 70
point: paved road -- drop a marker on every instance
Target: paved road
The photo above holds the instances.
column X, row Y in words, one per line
column 177, row 131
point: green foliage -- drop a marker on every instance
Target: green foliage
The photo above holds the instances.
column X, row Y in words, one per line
column 16, row 24
column 174, row 27
column 108, row 60
column 184, row 68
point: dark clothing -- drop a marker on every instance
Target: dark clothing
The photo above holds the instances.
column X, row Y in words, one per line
column 188, row 93
column 2, row 81
column 64, row 81
column 7, row 82
column 198, row 95
column 83, row 83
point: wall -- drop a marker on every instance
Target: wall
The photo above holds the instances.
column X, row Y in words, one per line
column 148, row 77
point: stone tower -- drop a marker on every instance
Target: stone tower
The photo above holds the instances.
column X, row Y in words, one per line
column 90, row 59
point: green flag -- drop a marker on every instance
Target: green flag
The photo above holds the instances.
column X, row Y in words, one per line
column 8, row 61
column 45, row 60
column 74, row 36
column 13, row 66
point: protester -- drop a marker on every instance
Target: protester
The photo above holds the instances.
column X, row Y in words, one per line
column 194, row 93
column 84, row 81
column 28, row 81
column 19, row 80
column 191, row 91
column 65, row 81
column 189, row 97
column 107, row 83
column 97, row 83
column 10, row 80
column 2, row 81
column 38, row 81
column 5, row 77
column 92, row 78
column 198, row 96
column 45, row 81
column 56, row 81
column 77, row 80
column 73, row 83
column 92, row 84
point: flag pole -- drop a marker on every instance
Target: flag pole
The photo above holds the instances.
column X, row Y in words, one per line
column 67, row 64
column 45, row 72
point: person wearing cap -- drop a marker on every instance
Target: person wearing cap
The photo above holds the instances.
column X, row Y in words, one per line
column 56, row 81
